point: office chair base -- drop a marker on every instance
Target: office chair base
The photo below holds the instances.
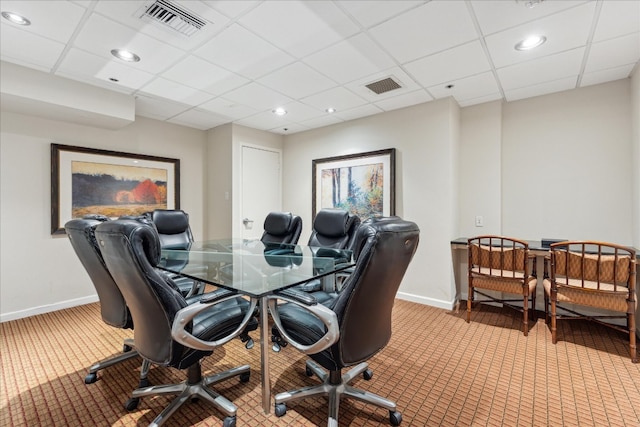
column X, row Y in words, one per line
column 129, row 352
column 196, row 387
column 335, row 387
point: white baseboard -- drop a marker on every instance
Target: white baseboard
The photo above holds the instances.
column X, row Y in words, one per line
column 5, row 317
column 447, row 305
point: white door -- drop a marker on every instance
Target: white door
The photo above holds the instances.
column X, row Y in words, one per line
column 260, row 187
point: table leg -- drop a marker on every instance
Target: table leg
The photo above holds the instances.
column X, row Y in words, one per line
column 264, row 355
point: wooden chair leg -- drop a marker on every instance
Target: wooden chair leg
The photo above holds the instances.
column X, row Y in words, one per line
column 525, row 312
column 631, row 325
column 469, row 303
column 554, row 337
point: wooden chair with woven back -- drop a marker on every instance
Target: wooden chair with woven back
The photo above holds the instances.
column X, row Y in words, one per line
column 502, row 265
column 592, row 275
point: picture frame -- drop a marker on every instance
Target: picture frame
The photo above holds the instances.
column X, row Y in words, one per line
column 111, row 183
column 362, row 183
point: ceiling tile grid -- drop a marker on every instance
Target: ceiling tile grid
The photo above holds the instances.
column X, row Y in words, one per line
column 250, row 57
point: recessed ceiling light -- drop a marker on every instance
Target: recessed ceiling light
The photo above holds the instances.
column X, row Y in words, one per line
column 531, row 42
column 125, row 55
column 330, row 110
column 15, row 18
column 279, row 111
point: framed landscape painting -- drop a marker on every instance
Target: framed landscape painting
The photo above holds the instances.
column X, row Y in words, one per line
column 363, row 184
column 111, row 183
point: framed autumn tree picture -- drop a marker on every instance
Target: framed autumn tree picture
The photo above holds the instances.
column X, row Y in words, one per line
column 111, row 183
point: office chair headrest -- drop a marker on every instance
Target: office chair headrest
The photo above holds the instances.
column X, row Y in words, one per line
column 278, row 223
column 332, row 222
column 170, row 221
column 129, row 227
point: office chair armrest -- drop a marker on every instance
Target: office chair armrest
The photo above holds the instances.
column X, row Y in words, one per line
column 298, row 295
column 186, row 315
column 326, row 316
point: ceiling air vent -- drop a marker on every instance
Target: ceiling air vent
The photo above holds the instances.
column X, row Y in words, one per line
column 169, row 15
column 384, row 85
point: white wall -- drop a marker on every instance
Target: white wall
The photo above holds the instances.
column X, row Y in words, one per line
column 41, row 272
column 635, row 142
column 567, row 165
column 426, row 140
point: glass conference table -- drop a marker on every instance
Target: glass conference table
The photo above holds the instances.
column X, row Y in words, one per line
column 257, row 270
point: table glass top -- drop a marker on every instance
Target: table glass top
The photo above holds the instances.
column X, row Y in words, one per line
column 252, row 267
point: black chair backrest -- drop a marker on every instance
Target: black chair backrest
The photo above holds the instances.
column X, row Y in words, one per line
column 173, row 228
column 334, row 228
column 282, row 227
column 131, row 252
column 113, row 308
column 383, row 250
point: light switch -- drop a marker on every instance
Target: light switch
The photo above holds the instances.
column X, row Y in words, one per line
column 479, row 221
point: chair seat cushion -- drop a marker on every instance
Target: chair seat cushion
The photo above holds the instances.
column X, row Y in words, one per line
column 503, row 284
column 589, row 296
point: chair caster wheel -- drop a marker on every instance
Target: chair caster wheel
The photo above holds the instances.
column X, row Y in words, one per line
column 308, row 371
column 244, row 377
column 91, row 378
column 132, row 403
column 280, row 409
column 276, row 347
column 395, row 418
column 126, row 348
column 367, row 374
column 229, row 422
column 249, row 344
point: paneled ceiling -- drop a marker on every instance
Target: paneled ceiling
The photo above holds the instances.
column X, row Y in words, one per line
column 250, row 57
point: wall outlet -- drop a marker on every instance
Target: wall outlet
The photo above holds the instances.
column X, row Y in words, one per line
column 479, row 221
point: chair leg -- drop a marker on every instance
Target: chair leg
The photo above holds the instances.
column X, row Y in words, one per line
column 525, row 315
column 335, row 386
column 195, row 386
column 129, row 353
column 554, row 337
column 631, row 325
column 469, row 303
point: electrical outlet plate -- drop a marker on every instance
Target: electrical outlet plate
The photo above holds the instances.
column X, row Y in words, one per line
column 479, row 221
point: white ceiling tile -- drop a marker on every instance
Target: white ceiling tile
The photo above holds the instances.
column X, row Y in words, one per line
column 350, row 59
column 431, row 28
column 257, row 96
column 338, row 98
column 265, row 121
column 608, row 75
column 617, row 18
column 473, row 87
column 129, row 13
column 373, row 12
column 404, row 100
column 317, row 24
column 232, row 8
column 481, row 100
column 56, row 20
column 549, row 68
column 297, row 80
column 227, row 108
column 203, row 75
column 501, row 45
column 614, row 52
column 155, row 55
column 290, row 129
column 175, row 91
column 31, row 50
column 498, row 15
column 541, row 89
column 240, row 51
column 203, row 120
column 452, row 64
column 87, row 67
column 358, row 112
column 299, row 112
column 322, row 121
column 159, row 109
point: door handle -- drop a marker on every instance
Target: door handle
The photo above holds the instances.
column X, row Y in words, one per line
column 248, row 223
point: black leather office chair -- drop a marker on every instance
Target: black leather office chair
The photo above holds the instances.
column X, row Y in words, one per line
column 174, row 232
column 113, row 308
column 169, row 331
column 282, row 227
column 356, row 324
